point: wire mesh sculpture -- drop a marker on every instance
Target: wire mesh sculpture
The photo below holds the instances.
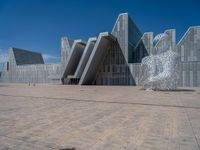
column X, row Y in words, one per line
column 160, row 71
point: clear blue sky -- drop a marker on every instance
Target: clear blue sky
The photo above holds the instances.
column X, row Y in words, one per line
column 38, row 25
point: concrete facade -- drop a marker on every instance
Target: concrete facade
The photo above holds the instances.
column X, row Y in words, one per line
column 31, row 71
column 189, row 51
column 113, row 58
column 66, row 46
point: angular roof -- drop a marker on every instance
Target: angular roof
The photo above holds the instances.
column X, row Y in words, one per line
column 24, row 57
column 74, row 58
column 95, row 58
column 88, row 50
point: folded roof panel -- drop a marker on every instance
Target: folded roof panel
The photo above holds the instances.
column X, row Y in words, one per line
column 84, row 59
column 96, row 56
column 74, row 58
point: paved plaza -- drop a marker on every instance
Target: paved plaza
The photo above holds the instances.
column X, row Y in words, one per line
column 48, row 117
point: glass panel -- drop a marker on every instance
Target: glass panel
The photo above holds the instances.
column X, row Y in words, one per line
column 117, row 72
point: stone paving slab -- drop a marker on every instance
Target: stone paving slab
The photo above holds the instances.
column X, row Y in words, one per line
column 98, row 118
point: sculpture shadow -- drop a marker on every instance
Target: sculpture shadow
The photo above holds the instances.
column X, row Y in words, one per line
column 184, row 90
column 176, row 90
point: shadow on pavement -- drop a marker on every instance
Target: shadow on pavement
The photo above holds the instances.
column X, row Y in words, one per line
column 177, row 90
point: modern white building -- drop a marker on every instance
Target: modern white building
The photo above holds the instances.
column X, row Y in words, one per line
column 111, row 58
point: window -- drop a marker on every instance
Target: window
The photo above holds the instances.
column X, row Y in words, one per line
column 7, row 66
column 108, row 68
column 184, row 78
column 103, row 68
column 191, row 78
column 120, row 68
column 182, row 53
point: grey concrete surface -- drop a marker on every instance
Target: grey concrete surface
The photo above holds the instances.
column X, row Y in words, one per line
column 98, row 118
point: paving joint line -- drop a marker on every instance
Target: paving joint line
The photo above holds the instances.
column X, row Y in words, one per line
column 96, row 101
column 185, row 109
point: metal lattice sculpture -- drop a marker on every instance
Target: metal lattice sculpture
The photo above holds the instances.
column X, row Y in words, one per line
column 160, row 71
